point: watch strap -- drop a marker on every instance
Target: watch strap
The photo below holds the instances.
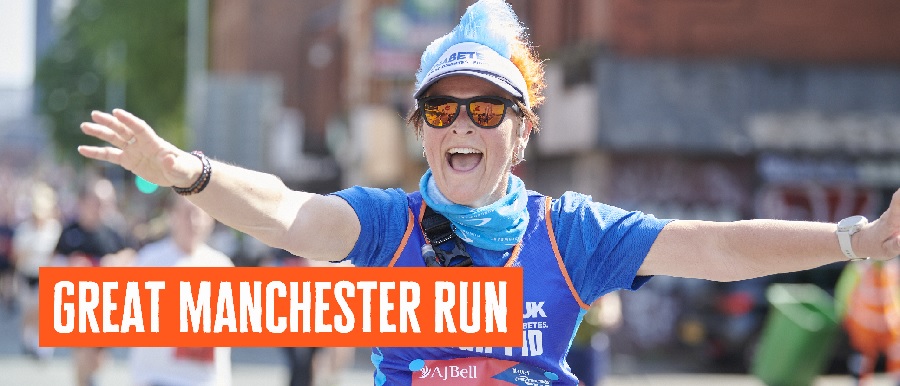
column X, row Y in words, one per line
column 847, row 247
column 844, row 235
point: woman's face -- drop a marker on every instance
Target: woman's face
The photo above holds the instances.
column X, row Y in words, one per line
column 471, row 165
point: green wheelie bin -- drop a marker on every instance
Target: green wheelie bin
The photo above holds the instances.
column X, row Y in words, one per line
column 796, row 341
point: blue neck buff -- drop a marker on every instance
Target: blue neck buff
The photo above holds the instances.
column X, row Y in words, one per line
column 497, row 227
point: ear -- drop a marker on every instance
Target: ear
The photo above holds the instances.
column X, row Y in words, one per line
column 525, row 131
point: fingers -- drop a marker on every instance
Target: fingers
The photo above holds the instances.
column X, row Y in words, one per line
column 108, row 154
column 135, row 124
column 104, row 133
column 128, row 128
column 123, row 133
column 889, row 223
column 895, row 199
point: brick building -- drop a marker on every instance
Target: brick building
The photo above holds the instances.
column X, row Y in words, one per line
column 272, row 87
column 731, row 93
column 753, row 95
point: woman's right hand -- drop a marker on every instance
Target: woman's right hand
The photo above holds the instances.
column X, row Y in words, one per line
column 136, row 147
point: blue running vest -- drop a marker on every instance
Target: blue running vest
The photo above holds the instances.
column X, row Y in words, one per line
column 552, row 312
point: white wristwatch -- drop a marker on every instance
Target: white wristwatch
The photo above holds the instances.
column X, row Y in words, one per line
column 846, row 228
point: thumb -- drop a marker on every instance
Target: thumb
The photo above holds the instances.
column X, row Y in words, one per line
column 182, row 168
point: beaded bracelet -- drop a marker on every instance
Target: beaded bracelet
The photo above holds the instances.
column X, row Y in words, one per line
column 202, row 181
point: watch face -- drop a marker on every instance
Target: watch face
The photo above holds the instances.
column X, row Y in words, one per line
column 852, row 221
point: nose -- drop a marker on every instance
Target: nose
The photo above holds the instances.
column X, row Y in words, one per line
column 464, row 125
column 463, row 129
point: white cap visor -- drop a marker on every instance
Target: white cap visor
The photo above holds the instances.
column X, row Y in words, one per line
column 478, row 60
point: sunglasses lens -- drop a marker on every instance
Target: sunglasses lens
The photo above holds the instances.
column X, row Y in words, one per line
column 487, row 112
column 440, row 112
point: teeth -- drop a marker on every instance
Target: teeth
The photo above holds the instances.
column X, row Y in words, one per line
column 463, row 150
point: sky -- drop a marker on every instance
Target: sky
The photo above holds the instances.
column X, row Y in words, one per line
column 17, row 43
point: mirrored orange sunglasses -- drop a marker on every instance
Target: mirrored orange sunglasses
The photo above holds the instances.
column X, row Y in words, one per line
column 487, row 112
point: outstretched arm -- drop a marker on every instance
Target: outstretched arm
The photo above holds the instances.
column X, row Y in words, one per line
column 305, row 224
column 727, row 251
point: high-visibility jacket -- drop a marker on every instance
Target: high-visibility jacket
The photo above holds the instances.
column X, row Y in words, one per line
column 873, row 307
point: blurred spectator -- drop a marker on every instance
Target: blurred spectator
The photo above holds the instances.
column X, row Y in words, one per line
column 867, row 299
column 7, row 272
column 300, row 365
column 90, row 241
column 189, row 230
column 328, row 364
column 317, row 366
column 33, row 247
column 312, row 366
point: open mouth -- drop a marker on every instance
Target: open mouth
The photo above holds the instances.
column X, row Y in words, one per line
column 463, row 159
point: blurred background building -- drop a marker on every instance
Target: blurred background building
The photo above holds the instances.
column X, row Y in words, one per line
column 695, row 109
column 29, row 30
column 718, row 110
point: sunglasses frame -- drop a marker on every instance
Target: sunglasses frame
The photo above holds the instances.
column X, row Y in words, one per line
column 507, row 104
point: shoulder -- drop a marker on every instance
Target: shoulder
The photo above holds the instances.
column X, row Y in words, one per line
column 571, row 201
column 576, row 205
column 367, row 201
column 383, row 216
column 579, row 211
column 362, row 193
column 372, row 204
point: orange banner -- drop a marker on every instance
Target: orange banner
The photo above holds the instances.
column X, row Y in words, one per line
column 277, row 307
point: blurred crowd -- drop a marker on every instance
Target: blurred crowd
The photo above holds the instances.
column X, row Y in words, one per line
column 57, row 217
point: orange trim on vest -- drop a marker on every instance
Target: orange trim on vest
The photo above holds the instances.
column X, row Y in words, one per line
column 514, row 255
column 409, row 228
column 562, row 267
column 422, row 214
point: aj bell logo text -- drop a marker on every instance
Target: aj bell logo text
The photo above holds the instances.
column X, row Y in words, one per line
column 450, row 372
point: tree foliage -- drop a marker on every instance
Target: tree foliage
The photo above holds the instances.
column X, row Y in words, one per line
column 115, row 54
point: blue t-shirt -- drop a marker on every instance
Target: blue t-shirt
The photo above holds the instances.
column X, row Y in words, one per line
column 601, row 246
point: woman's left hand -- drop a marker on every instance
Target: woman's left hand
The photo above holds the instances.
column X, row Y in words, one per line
column 880, row 239
column 136, row 147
